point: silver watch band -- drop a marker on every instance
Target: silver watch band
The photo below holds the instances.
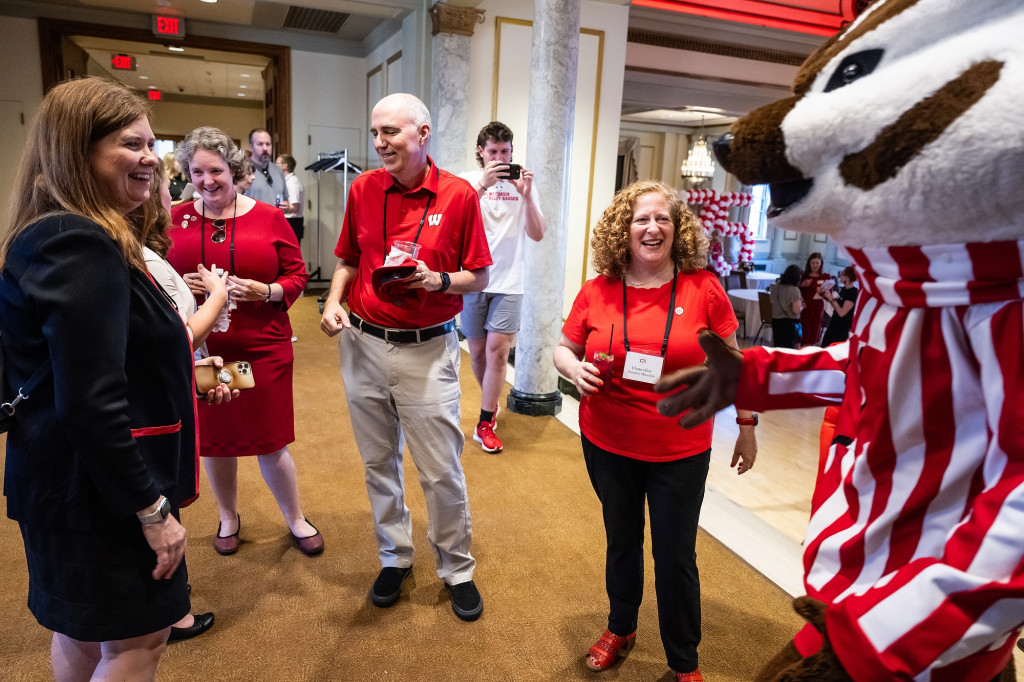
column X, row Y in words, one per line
column 163, row 510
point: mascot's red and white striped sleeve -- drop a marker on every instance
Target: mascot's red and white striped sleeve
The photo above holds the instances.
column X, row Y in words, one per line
column 921, row 563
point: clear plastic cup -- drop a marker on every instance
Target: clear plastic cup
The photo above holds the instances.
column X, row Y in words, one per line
column 412, row 249
column 603, row 362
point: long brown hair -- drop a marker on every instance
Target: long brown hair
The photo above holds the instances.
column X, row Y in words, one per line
column 55, row 176
column 610, row 241
column 156, row 235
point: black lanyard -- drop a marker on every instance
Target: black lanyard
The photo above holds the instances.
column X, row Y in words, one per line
column 202, row 237
column 423, row 218
column 668, row 322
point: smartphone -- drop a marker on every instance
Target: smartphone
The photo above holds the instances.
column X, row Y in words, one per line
column 234, row 374
column 514, row 171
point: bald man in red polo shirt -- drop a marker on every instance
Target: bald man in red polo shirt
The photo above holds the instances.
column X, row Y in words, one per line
column 400, row 361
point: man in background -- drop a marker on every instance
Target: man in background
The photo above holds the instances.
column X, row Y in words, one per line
column 268, row 185
column 490, row 319
column 293, row 200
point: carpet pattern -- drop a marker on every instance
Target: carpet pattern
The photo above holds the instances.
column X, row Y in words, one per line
column 538, row 541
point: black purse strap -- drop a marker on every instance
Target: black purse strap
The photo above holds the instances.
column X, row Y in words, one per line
column 8, row 409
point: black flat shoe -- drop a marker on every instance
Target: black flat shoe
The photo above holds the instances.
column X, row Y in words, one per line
column 202, row 623
column 312, row 545
column 226, row 546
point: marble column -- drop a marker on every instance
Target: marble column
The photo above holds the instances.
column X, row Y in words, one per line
column 553, row 68
column 449, row 91
column 775, row 249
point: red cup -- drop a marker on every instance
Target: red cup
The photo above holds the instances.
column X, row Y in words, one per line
column 603, row 362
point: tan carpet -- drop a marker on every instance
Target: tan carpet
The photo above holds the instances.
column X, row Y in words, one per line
column 538, row 541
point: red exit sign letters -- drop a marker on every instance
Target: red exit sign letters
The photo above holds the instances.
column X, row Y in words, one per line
column 123, row 62
column 173, row 27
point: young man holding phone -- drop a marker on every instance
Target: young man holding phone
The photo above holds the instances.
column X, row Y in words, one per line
column 490, row 318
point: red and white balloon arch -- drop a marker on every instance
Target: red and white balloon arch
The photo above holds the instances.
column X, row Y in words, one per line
column 713, row 216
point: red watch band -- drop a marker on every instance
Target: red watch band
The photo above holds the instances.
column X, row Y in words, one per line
column 747, row 421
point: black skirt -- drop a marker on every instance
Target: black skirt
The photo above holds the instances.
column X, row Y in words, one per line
column 98, row 587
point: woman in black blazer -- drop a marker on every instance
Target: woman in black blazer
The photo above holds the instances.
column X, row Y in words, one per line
column 103, row 452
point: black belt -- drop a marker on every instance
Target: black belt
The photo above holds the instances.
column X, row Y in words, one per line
column 401, row 335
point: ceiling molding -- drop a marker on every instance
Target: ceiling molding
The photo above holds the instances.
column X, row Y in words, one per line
column 817, row 17
column 686, row 43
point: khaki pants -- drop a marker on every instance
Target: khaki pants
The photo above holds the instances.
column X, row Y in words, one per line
column 410, row 392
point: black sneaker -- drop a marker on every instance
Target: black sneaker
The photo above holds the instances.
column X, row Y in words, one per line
column 466, row 601
column 387, row 588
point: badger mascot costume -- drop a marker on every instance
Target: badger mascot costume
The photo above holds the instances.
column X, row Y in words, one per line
column 904, row 141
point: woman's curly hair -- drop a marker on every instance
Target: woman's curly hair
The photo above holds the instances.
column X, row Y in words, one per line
column 611, row 240
column 212, row 140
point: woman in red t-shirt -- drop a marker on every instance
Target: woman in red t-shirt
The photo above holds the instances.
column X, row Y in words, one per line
column 645, row 310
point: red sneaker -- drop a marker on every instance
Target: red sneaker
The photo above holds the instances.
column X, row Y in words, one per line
column 484, row 435
column 695, row 676
column 494, row 419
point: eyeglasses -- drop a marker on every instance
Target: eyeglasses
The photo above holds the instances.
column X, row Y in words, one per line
column 218, row 236
column 266, row 174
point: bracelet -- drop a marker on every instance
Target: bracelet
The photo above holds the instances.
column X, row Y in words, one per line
column 446, row 281
column 747, row 421
column 269, row 292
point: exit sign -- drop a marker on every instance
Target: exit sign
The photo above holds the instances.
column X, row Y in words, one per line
column 123, row 62
column 168, row 27
column 155, row 95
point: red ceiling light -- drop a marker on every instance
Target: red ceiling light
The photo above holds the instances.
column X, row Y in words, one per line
column 824, row 22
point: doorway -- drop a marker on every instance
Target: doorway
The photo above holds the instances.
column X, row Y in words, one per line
column 57, row 65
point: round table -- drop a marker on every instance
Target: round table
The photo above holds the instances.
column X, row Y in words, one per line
column 745, row 301
column 760, row 279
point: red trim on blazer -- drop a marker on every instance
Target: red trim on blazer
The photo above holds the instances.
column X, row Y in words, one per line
column 156, row 430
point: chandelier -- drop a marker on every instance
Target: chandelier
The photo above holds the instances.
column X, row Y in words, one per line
column 699, row 165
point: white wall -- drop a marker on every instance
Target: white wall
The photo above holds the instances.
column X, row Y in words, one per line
column 328, row 115
column 21, row 91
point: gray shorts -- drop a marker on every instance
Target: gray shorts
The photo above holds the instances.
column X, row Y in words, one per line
column 484, row 312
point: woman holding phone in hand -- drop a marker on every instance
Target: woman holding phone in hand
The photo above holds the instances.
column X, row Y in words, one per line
column 257, row 248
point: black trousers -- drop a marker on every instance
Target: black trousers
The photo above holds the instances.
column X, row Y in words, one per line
column 298, row 225
column 784, row 334
column 674, row 492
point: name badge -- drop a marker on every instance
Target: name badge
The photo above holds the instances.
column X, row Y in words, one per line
column 642, row 367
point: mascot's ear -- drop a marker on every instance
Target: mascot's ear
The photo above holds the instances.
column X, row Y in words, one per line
column 811, row 610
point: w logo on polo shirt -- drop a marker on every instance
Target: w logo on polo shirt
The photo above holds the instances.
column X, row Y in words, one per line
column 434, row 220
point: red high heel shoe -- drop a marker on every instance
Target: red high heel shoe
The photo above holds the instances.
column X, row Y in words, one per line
column 607, row 650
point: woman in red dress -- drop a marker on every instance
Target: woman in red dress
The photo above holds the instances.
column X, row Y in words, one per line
column 814, row 305
column 254, row 243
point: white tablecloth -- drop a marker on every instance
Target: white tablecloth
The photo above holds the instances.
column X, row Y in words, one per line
column 760, row 279
column 745, row 301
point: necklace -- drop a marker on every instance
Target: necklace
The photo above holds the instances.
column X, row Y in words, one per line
column 643, row 284
column 219, row 235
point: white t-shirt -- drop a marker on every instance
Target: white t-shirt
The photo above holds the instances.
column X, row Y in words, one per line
column 295, row 193
column 504, row 213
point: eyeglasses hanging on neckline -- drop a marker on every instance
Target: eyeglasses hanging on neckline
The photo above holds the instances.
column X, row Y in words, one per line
column 218, row 235
column 266, row 174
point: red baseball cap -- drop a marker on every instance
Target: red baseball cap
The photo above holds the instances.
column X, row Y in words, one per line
column 389, row 283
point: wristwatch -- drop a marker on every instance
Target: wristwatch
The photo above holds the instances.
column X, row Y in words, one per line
column 163, row 510
column 744, row 421
column 446, row 281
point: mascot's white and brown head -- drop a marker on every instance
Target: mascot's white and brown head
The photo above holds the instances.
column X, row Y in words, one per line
column 905, row 128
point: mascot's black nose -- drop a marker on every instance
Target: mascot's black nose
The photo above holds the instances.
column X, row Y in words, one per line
column 721, row 149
